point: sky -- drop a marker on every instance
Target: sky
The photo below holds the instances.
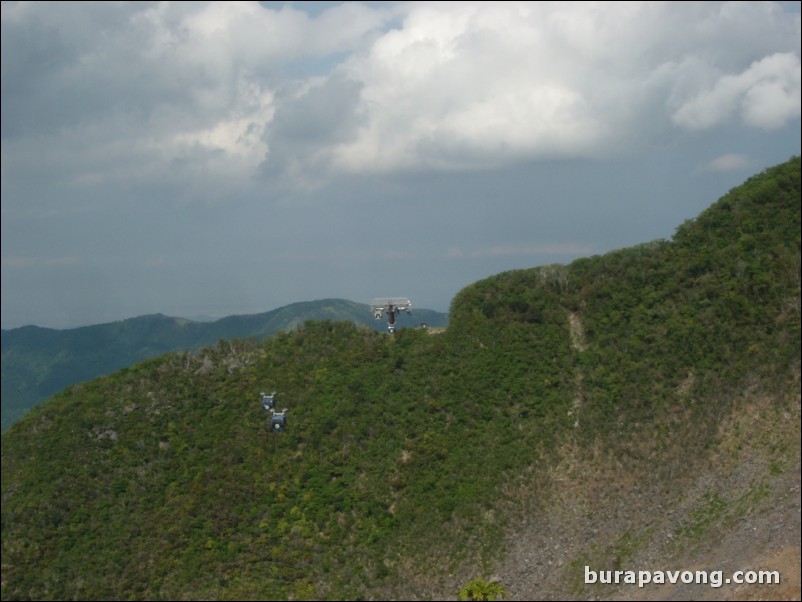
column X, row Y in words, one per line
column 209, row 159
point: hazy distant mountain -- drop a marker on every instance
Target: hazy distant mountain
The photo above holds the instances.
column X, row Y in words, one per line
column 38, row 362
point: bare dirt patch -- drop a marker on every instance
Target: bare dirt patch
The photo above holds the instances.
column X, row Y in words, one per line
column 737, row 509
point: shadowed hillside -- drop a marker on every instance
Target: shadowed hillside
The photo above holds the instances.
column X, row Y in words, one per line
column 635, row 410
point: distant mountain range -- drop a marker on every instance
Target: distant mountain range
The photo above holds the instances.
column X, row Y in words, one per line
column 39, row 362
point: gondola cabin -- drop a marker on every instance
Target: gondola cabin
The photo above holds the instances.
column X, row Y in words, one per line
column 267, row 402
column 278, row 422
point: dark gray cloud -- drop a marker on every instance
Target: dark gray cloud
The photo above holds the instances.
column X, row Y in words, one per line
column 321, row 115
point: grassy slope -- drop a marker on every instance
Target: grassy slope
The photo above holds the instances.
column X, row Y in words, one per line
column 410, row 459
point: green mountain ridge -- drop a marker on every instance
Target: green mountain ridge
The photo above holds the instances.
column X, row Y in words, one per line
column 634, row 410
column 39, row 362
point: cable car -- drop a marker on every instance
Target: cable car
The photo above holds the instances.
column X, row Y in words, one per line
column 267, row 401
column 278, row 421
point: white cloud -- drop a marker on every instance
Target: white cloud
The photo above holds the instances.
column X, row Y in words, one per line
column 162, row 91
column 465, row 86
column 237, row 135
column 729, row 162
column 766, row 95
column 477, row 85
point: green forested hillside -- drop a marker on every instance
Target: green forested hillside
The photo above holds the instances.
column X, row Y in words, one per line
column 411, row 459
column 39, row 362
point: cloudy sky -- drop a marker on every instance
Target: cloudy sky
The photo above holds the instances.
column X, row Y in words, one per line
column 208, row 159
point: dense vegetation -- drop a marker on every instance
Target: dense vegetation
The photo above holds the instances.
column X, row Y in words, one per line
column 39, row 362
column 163, row 481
